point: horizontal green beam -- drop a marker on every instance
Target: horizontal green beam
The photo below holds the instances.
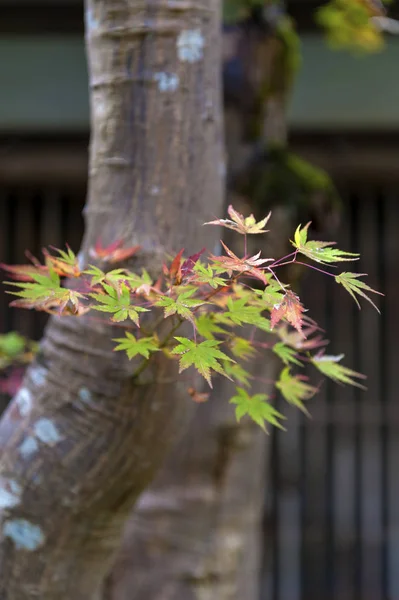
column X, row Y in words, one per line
column 338, row 90
column 43, row 82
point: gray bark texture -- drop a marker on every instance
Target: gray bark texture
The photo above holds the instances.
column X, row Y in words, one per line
column 196, row 532
column 81, row 440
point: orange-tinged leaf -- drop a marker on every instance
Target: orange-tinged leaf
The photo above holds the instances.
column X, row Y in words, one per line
column 241, row 224
column 112, row 253
column 65, row 265
column 250, row 265
column 291, row 309
column 24, row 272
column 175, row 268
column 198, row 396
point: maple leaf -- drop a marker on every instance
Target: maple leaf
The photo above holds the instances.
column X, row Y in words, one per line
column 291, row 309
column 24, row 272
column 237, row 373
column 240, row 312
column 197, row 396
column 257, row 408
column 273, row 293
column 207, row 327
column 174, row 271
column 241, row 348
column 65, row 265
column 113, row 252
column 350, row 281
column 141, row 284
column 45, row 293
column 329, row 366
column 118, row 303
column 206, row 274
column 294, row 389
column 297, row 339
column 204, row 356
column 240, row 224
column 231, row 263
column 189, row 264
column 321, row 252
column 287, row 354
column 180, row 305
column 143, row 346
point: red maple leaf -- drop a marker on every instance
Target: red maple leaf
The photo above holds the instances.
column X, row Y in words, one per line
column 245, row 265
column 112, row 253
column 189, row 264
column 197, row 396
column 291, row 309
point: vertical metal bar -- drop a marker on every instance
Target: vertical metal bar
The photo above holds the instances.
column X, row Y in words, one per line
column 382, row 216
column 289, row 506
column 303, row 508
column 389, row 312
column 342, row 419
column 275, row 470
column 329, row 591
column 358, row 565
column 312, row 459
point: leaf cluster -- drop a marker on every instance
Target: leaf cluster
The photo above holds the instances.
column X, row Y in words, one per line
column 213, row 298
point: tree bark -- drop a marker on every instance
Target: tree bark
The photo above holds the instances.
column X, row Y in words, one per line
column 196, row 532
column 81, row 440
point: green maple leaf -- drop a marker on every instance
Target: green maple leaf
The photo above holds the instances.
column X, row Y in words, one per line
column 350, row 281
column 68, row 257
column 117, row 302
column 240, row 312
column 294, row 389
column 97, row 275
column 11, row 344
column 132, row 346
column 241, row 348
column 181, row 305
column 272, row 294
column 321, row 252
column 115, row 277
column 204, row 356
column 42, row 287
column 287, row 354
column 45, row 293
column 207, row 327
column 237, row 373
column 136, row 281
column 329, row 366
column 257, row 408
column 207, row 274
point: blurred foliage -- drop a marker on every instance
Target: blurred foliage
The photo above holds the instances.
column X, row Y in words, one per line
column 349, row 24
column 15, row 349
column 279, row 176
column 291, row 55
column 235, row 11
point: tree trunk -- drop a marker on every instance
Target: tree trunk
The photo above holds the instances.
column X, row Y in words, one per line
column 80, row 441
column 196, row 533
